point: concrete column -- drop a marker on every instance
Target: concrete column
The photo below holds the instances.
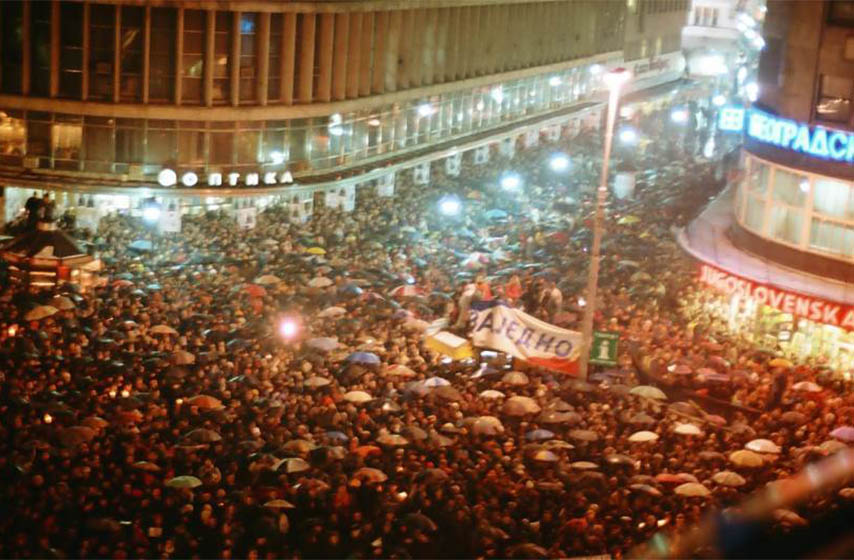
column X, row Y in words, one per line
column 263, row 50
column 179, row 55
column 146, row 54
column 452, row 46
column 210, row 46
column 341, row 43
column 487, row 34
column 463, row 36
column 368, row 54
column 54, row 48
column 234, row 67
column 326, row 42
column 475, row 42
column 117, row 52
column 289, row 50
column 505, row 37
column 354, row 51
column 308, row 24
column 418, row 26
column 381, row 45
column 440, row 62
column 26, row 48
column 84, row 78
column 392, row 51
column 404, row 57
column 429, row 47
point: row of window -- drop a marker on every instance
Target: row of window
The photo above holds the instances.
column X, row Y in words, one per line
column 810, row 212
column 650, row 48
column 177, row 66
column 705, row 16
column 107, row 145
column 833, row 102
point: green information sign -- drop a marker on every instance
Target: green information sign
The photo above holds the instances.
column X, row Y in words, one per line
column 603, row 351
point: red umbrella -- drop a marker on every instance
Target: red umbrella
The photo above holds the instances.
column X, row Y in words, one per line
column 255, row 290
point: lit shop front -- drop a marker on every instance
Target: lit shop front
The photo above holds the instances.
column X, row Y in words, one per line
column 798, row 325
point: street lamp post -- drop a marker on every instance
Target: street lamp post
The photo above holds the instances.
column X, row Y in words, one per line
column 615, row 81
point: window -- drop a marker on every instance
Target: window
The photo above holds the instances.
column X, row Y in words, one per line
column 841, row 12
column 833, row 199
column 71, row 50
column 193, row 60
column 40, row 48
column 754, row 213
column 222, row 53
column 848, row 50
column 786, row 224
column 831, row 237
column 247, row 146
column 66, row 139
column 160, row 142
column 274, row 92
column 790, row 188
column 13, row 52
column 161, row 81
column 222, row 148
column 100, row 148
column 130, row 140
column 130, row 87
column 757, row 181
column 191, row 143
column 13, row 138
column 834, row 98
column 248, row 57
column 101, row 25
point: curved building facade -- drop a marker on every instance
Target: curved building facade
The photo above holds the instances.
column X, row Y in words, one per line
column 119, row 90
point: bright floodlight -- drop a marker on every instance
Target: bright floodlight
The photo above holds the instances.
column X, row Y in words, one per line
column 497, row 95
column 336, row 130
column 559, row 162
column 752, row 91
column 596, row 69
column 719, row 100
column 425, row 110
column 554, row 81
column 450, row 206
column 628, row 135
column 151, row 213
column 277, row 157
column 616, row 77
column 511, row 182
column 679, row 116
column 288, row 328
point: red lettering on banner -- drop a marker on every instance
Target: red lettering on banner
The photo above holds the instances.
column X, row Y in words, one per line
column 802, row 305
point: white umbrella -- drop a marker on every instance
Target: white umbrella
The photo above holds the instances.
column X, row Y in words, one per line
column 488, row 426
column 515, row 378
column 520, row 406
column 357, row 397
column 807, row 387
column 729, row 478
column 183, row 358
column 762, row 446
column 492, row 394
column 643, row 436
column 267, row 280
column 163, row 329
column 320, row 282
column 692, row 489
column 399, row 370
column 62, row 302
column 333, row 311
column 688, row 430
column 316, row 381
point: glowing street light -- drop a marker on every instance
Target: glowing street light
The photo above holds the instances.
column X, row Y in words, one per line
column 511, row 182
column 288, row 329
column 425, row 110
column 628, row 135
column 679, row 116
column 719, row 100
column 151, row 211
column 559, row 163
column 615, row 80
column 752, row 91
column 554, row 81
column 450, row 205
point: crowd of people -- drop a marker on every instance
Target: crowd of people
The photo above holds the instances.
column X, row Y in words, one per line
column 164, row 414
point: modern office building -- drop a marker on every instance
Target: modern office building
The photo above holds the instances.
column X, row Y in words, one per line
column 783, row 249
column 103, row 97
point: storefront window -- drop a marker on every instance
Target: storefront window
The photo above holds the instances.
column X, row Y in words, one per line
column 832, row 237
column 786, row 224
column 833, row 199
column 790, row 188
column 71, row 50
column 191, row 143
column 757, row 181
column 222, row 148
column 100, row 148
column 193, row 60
column 754, row 213
column 247, row 146
column 161, row 81
column 13, row 138
column 130, row 140
column 66, row 139
column 101, row 23
column 160, row 142
column 131, row 53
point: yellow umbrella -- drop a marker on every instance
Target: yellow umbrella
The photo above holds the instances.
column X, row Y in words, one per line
column 628, row 220
column 692, row 489
column 746, row 458
column 780, row 362
column 40, row 312
column 316, row 251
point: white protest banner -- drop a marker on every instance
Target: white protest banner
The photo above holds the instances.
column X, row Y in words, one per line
column 385, row 185
column 532, row 138
column 481, row 155
column 302, row 206
column 497, row 326
column 553, row 133
column 421, row 174
column 453, row 163
column 246, row 215
column 347, row 198
column 170, row 219
column 331, row 199
column 507, row 147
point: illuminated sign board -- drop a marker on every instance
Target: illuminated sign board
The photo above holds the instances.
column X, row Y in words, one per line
column 169, row 178
column 816, row 141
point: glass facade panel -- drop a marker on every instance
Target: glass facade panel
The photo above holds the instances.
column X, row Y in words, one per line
column 130, row 85
column 101, row 39
column 71, row 50
column 791, row 188
column 13, row 52
column 193, row 60
column 274, row 90
column 758, row 178
column 832, row 238
column 160, row 143
column 248, row 142
column 222, row 54
column 191, row 147
column 130, row 142
column 755, row 213
column 40, row 48
column 161, row 80
column 99, row 146
column 833, row 199
column 222, row 148
column 13, row 139
column 248, row 57
column 785, row 224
